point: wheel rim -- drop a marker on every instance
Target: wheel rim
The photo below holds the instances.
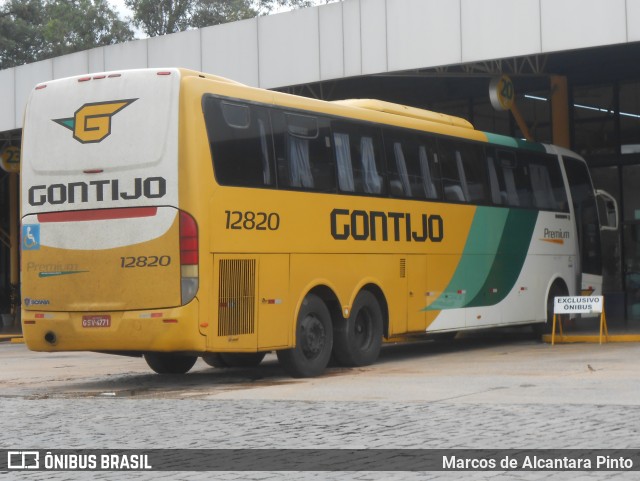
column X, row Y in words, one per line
column 313, row 336
column 363, row 329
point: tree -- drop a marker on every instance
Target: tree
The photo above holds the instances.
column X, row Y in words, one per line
column 75, row 25
column 20, row 39
column 160, row 17
column 32, row 30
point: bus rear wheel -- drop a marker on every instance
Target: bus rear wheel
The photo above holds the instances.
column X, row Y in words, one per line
column 314, row 340
column 357, row 340
column 165, row 363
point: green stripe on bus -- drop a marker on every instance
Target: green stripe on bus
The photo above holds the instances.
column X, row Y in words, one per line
column 483, row 241
column 513, row 142
column 509, row 259
column 493, row 257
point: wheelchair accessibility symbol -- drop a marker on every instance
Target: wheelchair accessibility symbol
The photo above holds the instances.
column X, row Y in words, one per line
column 30, row 237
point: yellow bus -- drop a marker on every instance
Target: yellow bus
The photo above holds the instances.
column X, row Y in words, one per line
column 173, row 215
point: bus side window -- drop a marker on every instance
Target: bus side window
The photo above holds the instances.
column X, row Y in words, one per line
column 264, row 152
column 463, row 173
column 474, row 172
column 358, row 152
column 517, row 180
column 547, row 184
column 541, row 184
column 412, row 165
column 462, row 176
column 240, row 143
column 303, row 152
column 400, row 186
column 400, row 164
column 507, row 166
column 371, row 180
column 451, row 182
column 498, row 191
column 429, row 172
column 522, row 178
column 559, row 192
column 343, row 159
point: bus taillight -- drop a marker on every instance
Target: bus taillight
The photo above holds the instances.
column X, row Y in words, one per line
column 188, row 257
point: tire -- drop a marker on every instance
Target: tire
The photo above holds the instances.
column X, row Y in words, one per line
column 214, row 359
column 547, row 328
column 314, row 340
column 357, row 340
column 165, row 363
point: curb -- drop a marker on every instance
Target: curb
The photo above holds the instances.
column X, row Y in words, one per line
column 591, row 338
column 15, row 338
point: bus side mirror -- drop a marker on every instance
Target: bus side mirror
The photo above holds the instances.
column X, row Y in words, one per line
column 610, row 210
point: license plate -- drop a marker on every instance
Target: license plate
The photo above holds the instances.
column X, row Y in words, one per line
column 96, row 321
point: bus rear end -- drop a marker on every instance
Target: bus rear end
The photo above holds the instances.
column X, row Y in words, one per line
column 109, row 261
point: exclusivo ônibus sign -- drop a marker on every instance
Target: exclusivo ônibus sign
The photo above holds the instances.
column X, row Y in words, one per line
column 578, row 305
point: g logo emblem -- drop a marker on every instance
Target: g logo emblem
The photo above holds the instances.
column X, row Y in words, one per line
column 91, row 123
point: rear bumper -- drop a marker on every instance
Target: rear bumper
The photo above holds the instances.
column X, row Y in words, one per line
column 161, row 330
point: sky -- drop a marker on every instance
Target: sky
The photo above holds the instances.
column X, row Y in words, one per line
column 120, row 8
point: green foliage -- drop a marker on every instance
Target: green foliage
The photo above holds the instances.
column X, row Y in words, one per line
column 21, row 41
column 33, row 30
column 160, row 17
column 74, row 25
column 215, row 12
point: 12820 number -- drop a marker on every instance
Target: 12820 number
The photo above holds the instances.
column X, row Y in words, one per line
column 250, row 220
column 145, row 261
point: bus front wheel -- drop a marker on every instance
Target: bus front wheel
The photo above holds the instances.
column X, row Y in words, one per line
column 166, row 363
column 314, row 340
column 358, row 339
column 557, row 289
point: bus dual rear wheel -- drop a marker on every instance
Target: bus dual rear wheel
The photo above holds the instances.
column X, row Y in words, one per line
column 169, row 363
column 357, row 340
column 314, row 340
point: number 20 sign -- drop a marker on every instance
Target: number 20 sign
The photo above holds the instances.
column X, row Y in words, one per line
column 501, row 93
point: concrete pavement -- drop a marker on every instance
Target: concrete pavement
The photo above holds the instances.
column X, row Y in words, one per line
column 505, row 391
